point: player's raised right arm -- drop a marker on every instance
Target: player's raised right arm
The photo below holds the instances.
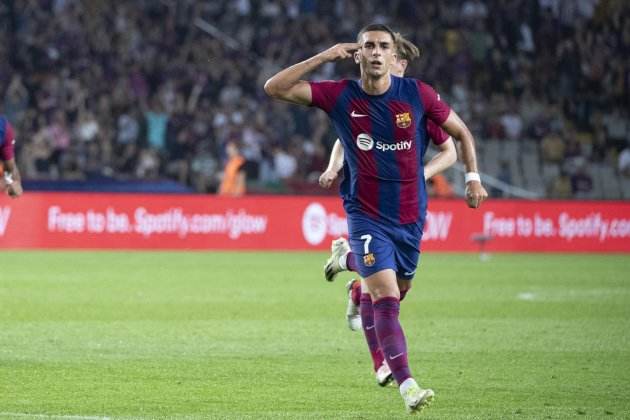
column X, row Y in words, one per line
column 287, row 84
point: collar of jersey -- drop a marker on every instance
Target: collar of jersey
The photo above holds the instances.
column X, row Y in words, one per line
column 392, row 79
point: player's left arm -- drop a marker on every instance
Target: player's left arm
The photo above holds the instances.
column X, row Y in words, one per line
column 443, row 160
column 335, row 163
column 475, row 192
column 441, row 114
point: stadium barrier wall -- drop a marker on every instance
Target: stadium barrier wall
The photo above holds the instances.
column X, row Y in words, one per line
column 147, row 221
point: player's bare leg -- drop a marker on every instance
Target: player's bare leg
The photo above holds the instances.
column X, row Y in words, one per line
column 383, row 287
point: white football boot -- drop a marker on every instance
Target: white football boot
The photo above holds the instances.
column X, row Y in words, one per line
column 384, row 375
column 352, row 311
column 339, row 248
column 415, row 397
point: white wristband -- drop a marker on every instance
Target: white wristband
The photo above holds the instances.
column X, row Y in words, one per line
column 471, row 176
column 8, row 179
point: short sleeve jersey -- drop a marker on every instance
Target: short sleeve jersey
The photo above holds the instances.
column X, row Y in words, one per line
column 385, row 138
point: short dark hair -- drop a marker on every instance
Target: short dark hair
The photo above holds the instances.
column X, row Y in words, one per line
column 372, row 27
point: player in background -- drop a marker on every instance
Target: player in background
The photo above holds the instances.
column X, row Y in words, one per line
column 380, row 121
column 11, row 180
column 357, row 289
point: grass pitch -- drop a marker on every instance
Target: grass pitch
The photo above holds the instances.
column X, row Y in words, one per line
column 263, row 336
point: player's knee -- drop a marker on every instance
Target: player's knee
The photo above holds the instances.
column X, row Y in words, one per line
column 386, row 292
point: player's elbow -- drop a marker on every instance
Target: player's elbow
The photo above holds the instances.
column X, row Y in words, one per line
column 272, row 89
column 269, row 87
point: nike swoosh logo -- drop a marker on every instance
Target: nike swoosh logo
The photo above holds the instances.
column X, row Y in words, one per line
column 370, row 327
column 355, row 115
column 410, row 273
column 397, row 356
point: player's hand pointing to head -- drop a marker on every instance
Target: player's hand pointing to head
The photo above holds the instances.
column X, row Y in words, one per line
column 340, row 51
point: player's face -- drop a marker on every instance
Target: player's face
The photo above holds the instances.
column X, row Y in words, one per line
column 377, row 53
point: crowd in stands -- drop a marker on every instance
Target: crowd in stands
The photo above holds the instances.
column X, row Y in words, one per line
column 150, row 89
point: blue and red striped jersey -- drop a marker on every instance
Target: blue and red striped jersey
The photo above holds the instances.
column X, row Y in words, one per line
column 7, row 139
column 384, row 138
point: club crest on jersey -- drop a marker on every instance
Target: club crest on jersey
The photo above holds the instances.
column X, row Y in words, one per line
column 365, row 142
column 403, row 120
column 369, row 260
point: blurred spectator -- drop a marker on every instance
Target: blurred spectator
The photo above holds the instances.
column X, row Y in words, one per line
column 561, row 187
column 128, row 128
column 37, row 154
column 581, row 183
column 617, row 126
column 440, row 187
column 233, row 179
column 553, row 148
column 126, row 160
column 474, row 10
column 138, row 88
column 284, row 164
column 157, row 121
column 204, row 170
column 512, row 123
column 179, row 152
column 624, row 162
column 16, row 100
column 599, row 146
column 87, row 127
column 148, row 165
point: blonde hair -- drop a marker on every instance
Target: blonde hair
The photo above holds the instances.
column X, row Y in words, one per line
column 405, row 49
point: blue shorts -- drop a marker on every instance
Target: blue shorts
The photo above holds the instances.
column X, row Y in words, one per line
column 379, row 246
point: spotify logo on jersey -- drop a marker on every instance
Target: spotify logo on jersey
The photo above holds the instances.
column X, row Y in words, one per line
column 365, row 142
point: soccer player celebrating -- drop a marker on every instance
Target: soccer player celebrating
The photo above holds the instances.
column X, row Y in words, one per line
column 380, row 120
column 406, row 51
column 11, row 175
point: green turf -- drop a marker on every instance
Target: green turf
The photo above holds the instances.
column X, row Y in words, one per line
column 263, row 336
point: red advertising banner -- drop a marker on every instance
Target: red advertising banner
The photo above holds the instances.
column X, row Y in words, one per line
column 139, row 221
